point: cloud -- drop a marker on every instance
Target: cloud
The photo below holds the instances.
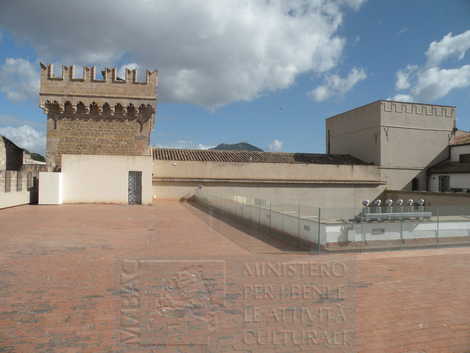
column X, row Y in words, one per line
column 25, row 137
column 403, row 77
column 449, row 46
column 336, row 85
column 186, row 144
column 435, row 83
column 402, row 98
column 275, row 146
column 209, row 52
column 430, row 82
column 19, row 79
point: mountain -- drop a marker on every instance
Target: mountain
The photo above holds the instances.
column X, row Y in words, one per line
column 241, row 146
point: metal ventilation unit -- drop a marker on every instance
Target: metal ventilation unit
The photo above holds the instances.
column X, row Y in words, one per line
column 396, row 210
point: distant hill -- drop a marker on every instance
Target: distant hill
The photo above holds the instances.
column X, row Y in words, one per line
column 241, row 146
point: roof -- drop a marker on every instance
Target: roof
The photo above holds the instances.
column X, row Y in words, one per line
column 460, row 138
column 172, row 154
column 7, row 141
column 448, row 167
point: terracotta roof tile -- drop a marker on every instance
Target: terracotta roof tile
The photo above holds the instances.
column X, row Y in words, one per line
column 173, row 154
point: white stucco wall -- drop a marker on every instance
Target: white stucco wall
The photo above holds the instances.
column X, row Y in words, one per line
column 328, row 196
column 103, row 179
column 14, row 198
column 266, row 171
column 312, row 184
column 457, row 181
column 50, row 188
column 456, row 151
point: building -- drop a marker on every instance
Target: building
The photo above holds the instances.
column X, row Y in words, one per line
column 98, row 135
column 453, row 174
column 98, row 143
column 402, row 139
column 18, row 175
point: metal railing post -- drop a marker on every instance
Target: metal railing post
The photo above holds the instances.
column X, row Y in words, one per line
column 298, row 220
column 319, row 230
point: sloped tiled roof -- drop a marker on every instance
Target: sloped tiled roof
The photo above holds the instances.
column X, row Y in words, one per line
column 173, row 154
column 460, row 138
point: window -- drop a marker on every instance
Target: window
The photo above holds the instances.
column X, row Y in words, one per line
column 30, row 180
column 464, row 158
column 444, row 183
column 415, row 184
column 328, row 143
column 7, row 181
column 19, row 181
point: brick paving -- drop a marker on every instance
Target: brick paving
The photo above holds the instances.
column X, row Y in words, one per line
column 169, row 278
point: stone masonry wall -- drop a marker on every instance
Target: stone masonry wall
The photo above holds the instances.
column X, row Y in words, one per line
column 96, row 136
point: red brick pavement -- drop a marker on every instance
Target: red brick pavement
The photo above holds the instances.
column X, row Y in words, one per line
column 166, row 278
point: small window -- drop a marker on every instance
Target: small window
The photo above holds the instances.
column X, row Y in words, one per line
column 328, row 144
column 30, row 180
column 19, row 181
column 464, row 158
column 444, row 183
column 7, row 181
column 415, row 184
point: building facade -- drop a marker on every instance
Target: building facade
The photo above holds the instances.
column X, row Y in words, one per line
column 402, row 139
column 18, row 175
column 453, row 174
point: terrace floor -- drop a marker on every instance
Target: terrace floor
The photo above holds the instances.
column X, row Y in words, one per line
column 169, row 278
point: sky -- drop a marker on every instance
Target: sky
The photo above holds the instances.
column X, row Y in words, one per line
column 266, row 72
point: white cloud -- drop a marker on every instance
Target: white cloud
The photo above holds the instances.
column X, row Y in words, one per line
column 435, row 83
column 208, row 52
column 276, row 146
column 403, row 77
column 19, row 79
column 430, row 81
column 449, row 46
column 336, row 85
column 402, row 98
column 25, row 137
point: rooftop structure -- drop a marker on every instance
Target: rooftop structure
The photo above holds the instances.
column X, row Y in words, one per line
column 403, row 139
column 87, row 115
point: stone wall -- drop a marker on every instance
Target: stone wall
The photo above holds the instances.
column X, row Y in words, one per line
column 94, row 136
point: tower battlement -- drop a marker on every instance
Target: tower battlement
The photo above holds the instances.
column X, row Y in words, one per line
column 89, row 90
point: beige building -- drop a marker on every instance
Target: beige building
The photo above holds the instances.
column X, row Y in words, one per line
column 98, row 135
column 402, row 139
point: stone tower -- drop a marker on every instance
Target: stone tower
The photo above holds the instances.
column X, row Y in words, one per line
column 87, row 115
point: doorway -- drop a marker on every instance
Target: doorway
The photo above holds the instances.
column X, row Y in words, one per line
column 134, row 189
column 444, row 183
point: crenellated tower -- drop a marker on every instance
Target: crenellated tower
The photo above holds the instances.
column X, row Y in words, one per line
column 102, row 116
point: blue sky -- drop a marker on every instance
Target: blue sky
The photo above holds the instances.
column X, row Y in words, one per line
column 263, row 72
